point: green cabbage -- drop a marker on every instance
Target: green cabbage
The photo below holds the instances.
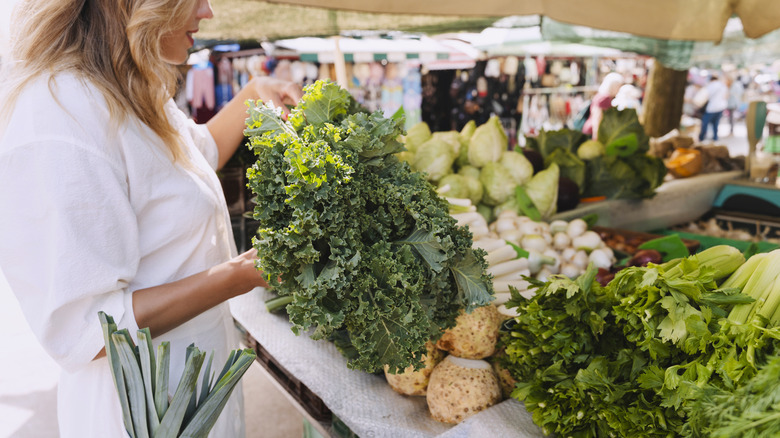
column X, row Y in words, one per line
column 469, row 171
column 497, row 182
column 451, row 137
column 458, row 186
column 435, row 158
column 543, row 190
column 521, row 169
column 417, row 135
column 465, row 139
column 488, row 143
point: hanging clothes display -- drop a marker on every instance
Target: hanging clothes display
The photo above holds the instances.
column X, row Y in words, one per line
column 224, row 87
column 200, row 91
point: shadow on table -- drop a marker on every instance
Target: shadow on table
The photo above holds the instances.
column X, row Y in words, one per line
column 43, row 405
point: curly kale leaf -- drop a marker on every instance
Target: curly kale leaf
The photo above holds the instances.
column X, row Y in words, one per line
column 364, row 246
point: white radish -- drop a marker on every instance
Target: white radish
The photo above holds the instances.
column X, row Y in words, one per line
column 576, row 228
column 568, row 254
column 501, row 298
column 530, row 227
column 580, row 260
column 504, row 224
column 543, row 274
column 558, row 226
column 561, row 241
column 589, row 240
column 516, row 275
column 508, row 267
column 533, row 242
column 503, row 254
column 488, row 243
column 512, row 313
column 536, row 260
column 478, row 231
column 555, row 267
column 460, row 202
column 468, row 218
column 600, row 259
column 513, row 236
column 503, row 285
column 570, row 270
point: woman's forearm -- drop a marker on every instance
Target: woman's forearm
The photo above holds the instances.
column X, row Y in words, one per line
column 165, row 307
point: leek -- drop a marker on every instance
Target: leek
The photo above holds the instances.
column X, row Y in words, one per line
column 141, row 380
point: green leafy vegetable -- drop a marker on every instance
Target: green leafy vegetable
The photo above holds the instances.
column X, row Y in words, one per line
column 627, row 359
column 363, row 249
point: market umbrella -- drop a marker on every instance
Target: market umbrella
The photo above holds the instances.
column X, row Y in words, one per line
column 702, row 20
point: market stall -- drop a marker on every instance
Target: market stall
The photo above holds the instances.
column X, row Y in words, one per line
column 318, row 371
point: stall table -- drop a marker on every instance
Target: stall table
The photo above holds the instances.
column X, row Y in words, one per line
column 362, row 401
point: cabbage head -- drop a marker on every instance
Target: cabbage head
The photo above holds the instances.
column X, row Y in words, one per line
column 451, row 137
column 498, row 184
column 518, row 165
column 543, row 190
column 435, row 158
column 469, row 171
column 487, row 143
column 418, row 134
column 458, row 187
column 465, row 139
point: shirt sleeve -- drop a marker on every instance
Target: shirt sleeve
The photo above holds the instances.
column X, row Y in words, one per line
column 70, row 245
column 200, row 134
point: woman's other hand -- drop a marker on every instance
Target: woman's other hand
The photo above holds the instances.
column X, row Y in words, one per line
column 280, row 92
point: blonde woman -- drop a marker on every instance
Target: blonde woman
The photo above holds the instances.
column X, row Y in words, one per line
column 109, row 197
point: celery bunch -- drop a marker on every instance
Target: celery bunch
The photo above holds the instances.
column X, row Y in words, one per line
column 142, row 385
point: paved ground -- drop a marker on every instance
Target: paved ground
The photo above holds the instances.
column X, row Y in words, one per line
column 28, row 386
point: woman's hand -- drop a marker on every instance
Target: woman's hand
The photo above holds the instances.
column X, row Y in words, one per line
column 247, row 270
column 280, row 93
column 227, row 126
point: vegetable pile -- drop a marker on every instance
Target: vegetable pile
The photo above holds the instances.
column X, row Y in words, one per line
column 616, row 165
column 661, row 350
column 476, row 164
column 359, row 247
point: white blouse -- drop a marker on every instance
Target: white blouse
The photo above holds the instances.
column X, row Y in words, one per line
column 91, row 212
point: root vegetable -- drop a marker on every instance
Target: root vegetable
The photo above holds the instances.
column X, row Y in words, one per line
column 589, row 240
column 488, row 243
column 576, row 228
column 502, row 254
column 508, row 267
column 502, row 298
column 460, row 388
column 503, row 285
column 505, row 379
column 558, row 226
column 474, row 335
column 580, row 260
column 411, row 382
column 561, row 241
column 570, row 270
column 600, row 259
column 514, row 276
column 533, row 242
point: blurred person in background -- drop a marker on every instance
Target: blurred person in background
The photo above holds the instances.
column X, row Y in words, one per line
column 718, row 94
column 736, row 97
column 601, row 101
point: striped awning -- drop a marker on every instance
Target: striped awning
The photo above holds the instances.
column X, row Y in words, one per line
column 425, row 50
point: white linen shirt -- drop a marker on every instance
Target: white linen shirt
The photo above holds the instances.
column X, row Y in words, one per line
column 90, row 213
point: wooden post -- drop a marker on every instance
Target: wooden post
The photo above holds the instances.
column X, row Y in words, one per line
column 663, row 102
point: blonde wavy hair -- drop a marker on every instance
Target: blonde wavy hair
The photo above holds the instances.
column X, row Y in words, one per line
column 114, row 44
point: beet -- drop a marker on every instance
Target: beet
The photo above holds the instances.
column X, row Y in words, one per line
column 645, row 256
column 604, row 276
column 568, row 194
column 535, row 157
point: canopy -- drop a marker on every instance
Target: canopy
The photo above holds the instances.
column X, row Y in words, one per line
column 427, row 51
column 701, row 20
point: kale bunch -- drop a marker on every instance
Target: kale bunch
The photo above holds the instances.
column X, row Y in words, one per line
column 361, row 248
